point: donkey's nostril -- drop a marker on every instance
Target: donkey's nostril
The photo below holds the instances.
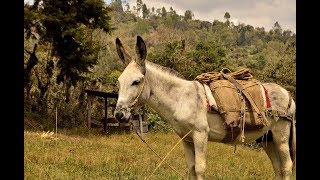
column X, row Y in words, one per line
column 119, row 115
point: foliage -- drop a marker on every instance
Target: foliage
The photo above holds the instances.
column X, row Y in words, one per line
column 145, row 11
column 81, row 42
column 116, row 5
column 188, row 15
column 68, row 26
column 156, row 123
column 227, row 15
column 208, row 55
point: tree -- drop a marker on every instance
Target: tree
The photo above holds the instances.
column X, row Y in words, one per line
column 139, row 6
column 127, row 7
column 32, row 62
column 68, row 25
column 163, row 12
column 44, row 75
column 188, row 15
column 277, row 29
column 276, row 26
column 276, row 32
column 158, row 11
column 227, row 16
column 145, row 11
column 153, row 10
column 209, row 55
column 135, row 11
column 116, row 5
column 171, row 9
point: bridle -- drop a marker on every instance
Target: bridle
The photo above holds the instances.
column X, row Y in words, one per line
column 134, row 103
column 138, row 96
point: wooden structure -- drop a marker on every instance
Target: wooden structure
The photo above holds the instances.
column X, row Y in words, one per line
column 108, row 122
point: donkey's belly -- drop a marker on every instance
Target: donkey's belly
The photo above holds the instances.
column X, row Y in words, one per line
column 251, row 135
column 218, row 132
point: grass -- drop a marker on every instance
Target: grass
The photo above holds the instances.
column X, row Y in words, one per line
column 125, row 156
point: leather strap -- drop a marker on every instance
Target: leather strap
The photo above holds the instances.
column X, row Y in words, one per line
column 246, row 94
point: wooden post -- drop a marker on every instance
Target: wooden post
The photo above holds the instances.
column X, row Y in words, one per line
column 56, row 121
column 89, row 101
column 144, row 118
column 105, row 122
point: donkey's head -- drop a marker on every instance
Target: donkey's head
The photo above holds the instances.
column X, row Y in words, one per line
column 132, row 83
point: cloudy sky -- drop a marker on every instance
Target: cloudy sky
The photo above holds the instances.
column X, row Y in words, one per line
column 258, row 13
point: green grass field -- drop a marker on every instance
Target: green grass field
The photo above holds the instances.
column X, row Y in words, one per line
column 125, row 156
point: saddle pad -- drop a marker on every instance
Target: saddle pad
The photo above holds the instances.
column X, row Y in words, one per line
column 228, row 100
column 212, row 104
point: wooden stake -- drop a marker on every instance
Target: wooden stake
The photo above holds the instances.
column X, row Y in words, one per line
column 141, row 126
column 56, row 121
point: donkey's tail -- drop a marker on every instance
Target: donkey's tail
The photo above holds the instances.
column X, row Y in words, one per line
column 292, row 141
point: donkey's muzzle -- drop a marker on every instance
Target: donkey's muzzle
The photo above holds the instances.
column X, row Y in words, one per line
column 119, row 115
column 122, row 114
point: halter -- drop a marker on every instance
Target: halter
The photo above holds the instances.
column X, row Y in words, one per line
column 130, row 108
column 136, row 99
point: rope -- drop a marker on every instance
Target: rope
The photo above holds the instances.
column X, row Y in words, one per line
column 168, row 155
column 162, row 160
column 242, row 74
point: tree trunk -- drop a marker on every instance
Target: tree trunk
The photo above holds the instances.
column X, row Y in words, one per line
column 43, row 87
column 27, row 102
column 68, row 86
column 32, row 62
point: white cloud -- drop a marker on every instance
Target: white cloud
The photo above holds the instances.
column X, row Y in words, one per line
column 258, row 13
column 28, row 1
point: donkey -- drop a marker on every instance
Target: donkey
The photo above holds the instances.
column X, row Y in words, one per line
column 183, row 104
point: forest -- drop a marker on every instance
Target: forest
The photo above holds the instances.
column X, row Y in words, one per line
column 69, row 46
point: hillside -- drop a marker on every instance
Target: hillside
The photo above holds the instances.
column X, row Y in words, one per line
column 56, row 77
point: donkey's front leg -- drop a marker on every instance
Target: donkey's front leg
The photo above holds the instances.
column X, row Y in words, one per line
column 189, row 151
column 200, row 140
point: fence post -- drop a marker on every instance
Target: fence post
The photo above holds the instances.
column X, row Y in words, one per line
column 105, row 122
column 89, row 101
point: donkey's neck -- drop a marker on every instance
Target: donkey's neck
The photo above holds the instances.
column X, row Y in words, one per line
column 165, row 90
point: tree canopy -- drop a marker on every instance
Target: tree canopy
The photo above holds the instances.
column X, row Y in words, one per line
column 67, row 25
column 66, row 40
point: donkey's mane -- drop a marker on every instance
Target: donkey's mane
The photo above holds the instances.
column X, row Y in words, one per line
column 171, row 72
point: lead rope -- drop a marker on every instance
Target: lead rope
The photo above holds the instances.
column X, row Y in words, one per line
column 162, row 160
column 141, row 137
column 168, row 155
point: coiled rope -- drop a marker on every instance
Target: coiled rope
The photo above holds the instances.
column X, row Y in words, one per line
column 242, row 74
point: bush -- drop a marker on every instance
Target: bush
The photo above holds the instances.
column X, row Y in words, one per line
column 70, row 116
column 157, row 124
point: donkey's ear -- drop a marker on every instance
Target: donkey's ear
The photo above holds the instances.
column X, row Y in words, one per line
column 141, row 50
column 123, row 54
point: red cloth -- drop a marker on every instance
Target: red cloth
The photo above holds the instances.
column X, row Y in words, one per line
column 267, row 97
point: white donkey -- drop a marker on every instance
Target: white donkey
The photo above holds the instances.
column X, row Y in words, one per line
column 183, row 104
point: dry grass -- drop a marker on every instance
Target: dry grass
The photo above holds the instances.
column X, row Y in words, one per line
column 126, row 157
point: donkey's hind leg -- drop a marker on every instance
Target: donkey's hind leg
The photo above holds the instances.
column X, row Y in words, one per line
column 272, row 153
column 281, row 135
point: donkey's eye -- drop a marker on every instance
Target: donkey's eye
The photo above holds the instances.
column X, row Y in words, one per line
column 136, row 82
